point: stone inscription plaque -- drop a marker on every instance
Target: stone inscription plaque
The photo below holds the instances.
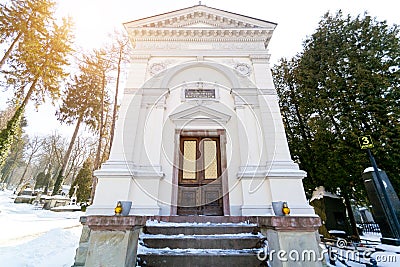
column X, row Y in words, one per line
column 199, row 93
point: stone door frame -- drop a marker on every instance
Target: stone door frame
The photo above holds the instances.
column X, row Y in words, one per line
column 221, row 133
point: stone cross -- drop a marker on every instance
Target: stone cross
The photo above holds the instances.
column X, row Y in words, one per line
column 74, row 197
column 75, row 188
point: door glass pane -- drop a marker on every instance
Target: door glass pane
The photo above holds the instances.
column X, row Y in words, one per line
column 210, row 159
column 189, row 160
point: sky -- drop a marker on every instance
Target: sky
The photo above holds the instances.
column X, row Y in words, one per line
column 295, row 19
column 95, row 19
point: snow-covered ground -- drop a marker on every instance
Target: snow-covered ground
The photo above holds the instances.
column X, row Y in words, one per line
column 31, row 237
column 346, row 255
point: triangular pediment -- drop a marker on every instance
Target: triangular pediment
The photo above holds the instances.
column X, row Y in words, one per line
column 200, row 16
column 200, row 113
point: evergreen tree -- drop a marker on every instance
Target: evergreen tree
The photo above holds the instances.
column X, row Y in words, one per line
column 14, row 159
column 344, row 84
column 41, row 180
column 16, row 147
column 296, row 119
column 84, row 181
column 35, row 65
column 20, row 21
column 100, row 64
column 37, row 68
column 350, row 69
column 8, row 134
column 81, row 104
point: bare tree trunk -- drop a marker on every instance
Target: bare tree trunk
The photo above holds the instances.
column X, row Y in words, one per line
column 351, row 217
column 64, row 164
column 21, row 180
column 115, row 108
column 106, row 141
column 97, row 161
column 9, row 50
column 35, row 147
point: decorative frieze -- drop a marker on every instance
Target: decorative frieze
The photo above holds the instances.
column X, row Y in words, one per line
column 183, row 34
column 193, row 45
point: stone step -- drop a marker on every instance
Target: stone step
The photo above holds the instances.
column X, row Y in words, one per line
column 240, row 241
column 199, row 244
column 200, row 258
column 200, row 229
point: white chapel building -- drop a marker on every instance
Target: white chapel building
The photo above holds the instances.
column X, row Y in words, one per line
column 199, row 130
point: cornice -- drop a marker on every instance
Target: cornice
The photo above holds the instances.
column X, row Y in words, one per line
column 200, row 35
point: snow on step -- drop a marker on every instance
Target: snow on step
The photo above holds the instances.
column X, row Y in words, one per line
column 162, row 236
column 142, row 250
column 196, row 224
column 199, row 244
column 199, row 228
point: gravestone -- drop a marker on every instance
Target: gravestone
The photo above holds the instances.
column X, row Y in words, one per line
column 389, row 229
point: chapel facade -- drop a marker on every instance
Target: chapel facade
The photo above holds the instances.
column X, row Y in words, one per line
column 199, row 130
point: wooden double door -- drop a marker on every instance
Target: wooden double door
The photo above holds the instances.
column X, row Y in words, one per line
column 200, row 185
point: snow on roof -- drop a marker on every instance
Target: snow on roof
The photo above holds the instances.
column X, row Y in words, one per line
column 370, row 169
column 320, row 192
column 336, row 232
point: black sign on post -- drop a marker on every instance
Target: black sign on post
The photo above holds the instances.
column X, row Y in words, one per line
column 365, row 142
